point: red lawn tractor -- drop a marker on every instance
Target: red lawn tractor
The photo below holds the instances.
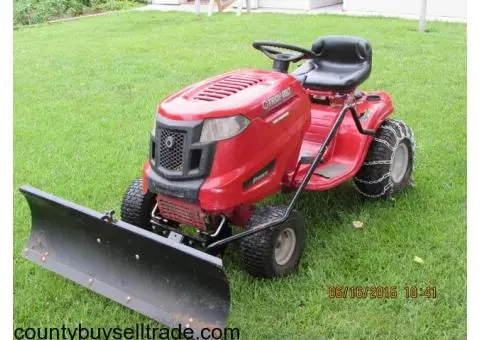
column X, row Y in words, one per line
column 217, row 149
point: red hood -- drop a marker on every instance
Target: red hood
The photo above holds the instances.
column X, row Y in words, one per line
column 238, row 92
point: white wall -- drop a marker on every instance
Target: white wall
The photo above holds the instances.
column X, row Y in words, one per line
column 296, row 4
column 323, row 3
column 442, row 8
column 287, row 4
column 166, row 2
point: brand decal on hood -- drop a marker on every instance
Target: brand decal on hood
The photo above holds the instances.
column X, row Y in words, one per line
column 277, row 99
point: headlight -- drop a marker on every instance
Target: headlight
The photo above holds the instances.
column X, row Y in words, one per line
column 223, row 128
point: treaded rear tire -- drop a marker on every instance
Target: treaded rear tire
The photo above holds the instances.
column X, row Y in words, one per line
column 137, row 206
column 257, row 252
column 374, row 178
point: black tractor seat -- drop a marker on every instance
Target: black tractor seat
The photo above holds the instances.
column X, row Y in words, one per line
column 342, row 64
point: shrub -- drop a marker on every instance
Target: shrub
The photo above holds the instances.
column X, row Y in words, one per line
column 110, row 5
column 26, row 12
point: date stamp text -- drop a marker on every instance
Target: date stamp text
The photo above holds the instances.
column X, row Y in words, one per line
column 382, row 292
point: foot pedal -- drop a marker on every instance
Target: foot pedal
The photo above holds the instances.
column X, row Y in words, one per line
column 332, row 170
column 306, row 160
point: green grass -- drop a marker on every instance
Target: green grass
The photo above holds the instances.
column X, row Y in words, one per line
column 85, row 94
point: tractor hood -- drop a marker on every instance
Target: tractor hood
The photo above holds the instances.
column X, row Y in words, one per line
column 247, row 92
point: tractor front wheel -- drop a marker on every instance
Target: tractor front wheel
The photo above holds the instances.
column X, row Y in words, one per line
column 136, row 206
column 388, row 166
column 275, row 251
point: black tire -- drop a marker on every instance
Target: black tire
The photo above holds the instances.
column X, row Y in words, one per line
column 376, row 177
column 257, row 252
column 136, row 206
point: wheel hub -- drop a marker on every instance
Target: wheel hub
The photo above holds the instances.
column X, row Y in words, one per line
column 399, row 163
column 284, row 246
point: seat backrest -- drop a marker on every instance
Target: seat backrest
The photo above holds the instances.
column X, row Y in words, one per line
column 343, row 50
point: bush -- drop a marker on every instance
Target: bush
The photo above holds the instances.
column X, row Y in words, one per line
column 26, row 12
column 110, row 5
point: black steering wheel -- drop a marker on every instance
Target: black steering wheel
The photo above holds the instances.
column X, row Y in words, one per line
column 271, row 50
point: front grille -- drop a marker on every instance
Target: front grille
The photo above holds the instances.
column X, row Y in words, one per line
column 176, row 152
column 170, row 145
column 180, row 211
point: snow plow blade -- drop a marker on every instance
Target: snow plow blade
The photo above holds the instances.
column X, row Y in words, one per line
column 160, row 278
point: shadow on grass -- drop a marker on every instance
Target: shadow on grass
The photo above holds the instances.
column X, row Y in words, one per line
column 325, row 213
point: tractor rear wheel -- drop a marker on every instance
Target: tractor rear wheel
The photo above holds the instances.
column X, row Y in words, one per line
column 389, row 164
column 136, row 206
column 275, row 251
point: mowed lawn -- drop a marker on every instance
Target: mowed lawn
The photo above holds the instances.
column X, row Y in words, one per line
column 85, row 94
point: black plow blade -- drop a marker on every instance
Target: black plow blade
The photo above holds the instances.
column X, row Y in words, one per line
column 162, row 279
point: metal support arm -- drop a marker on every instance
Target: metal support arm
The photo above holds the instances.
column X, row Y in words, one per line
column 318, row 158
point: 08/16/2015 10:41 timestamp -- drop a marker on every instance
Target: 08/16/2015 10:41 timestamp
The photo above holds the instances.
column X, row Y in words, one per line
column 382, row 292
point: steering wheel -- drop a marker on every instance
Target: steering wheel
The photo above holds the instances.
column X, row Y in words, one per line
column 271, row 50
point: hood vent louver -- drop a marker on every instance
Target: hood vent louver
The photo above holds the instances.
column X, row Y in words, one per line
column 226, row 87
